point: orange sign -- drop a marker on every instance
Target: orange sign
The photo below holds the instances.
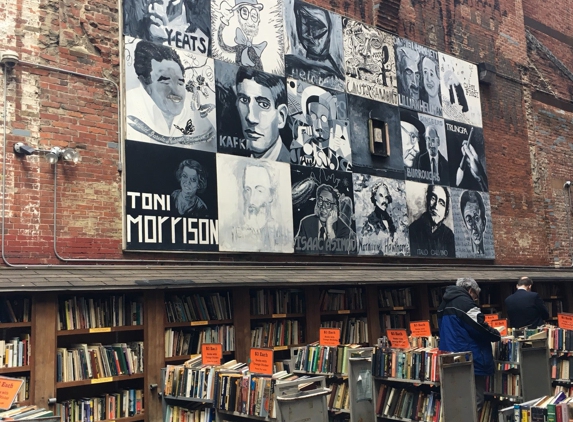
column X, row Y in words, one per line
column 491, row 317
column 211, row 353
column 565, row 321
column 261, row 361
column 500, row 325
column 398, row 338
column 329, row 336
column 420, row 329
column 8, row 390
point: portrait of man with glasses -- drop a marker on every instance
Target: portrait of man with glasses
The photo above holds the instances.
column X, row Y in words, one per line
column 434, row 160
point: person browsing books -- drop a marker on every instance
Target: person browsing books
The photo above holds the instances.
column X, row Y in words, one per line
column 525, row 308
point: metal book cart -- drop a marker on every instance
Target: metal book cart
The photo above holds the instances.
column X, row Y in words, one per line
column 457, row 387
column 302, row 406
column 360, row 385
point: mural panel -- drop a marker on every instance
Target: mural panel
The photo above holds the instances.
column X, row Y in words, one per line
column 370, row 64
column 255, row 205
column 314, row 51
column 323, row 211
column 381, row 216
column 249, row 33
column 170, row 96
column 171, row 203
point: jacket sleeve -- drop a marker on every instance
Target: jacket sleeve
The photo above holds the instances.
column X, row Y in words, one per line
column 541, row 307
column 479, row 330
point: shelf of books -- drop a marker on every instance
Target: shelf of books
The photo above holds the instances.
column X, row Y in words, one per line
column 345, row 309
column 395, row 307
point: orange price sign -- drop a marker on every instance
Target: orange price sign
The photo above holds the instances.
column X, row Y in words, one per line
column 211, row 353
column 261, row 361
column 8, row 390
column 420, row 329
column 490, row 317
column 398, row 338
column 329, row 336
column 500, row 325
column 565, row 321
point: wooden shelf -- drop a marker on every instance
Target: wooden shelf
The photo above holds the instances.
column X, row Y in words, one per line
column 70, row 384
column 15, row 369
column 138, row 417
column 277, row 316
column 343, row 312
column 397, row 308
column 189, row 399
column 393, row 419
column 408, row 381
column 198, row 323
column 187, row 357
column 84, row 331
column 6, row 325
column 242, row 415
column 503, row 396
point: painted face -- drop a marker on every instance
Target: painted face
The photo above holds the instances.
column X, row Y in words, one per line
column 431, row 79
column 474, row 222
column 410, row 146
column 249, row 19
column 257, row 191
column 381, row 198
column 437, row 205
column 167, row 87
column 314, row 30
column 325, row 203
column 432, row 141
column 369, row 48
column 409, row 73
column 260, row 118
column 189, row 181
column 319, row 119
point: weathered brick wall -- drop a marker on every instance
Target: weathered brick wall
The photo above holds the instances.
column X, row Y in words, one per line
column 62, row 110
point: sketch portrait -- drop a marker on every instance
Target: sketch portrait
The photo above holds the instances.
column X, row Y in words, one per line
column 249, row 33
column 431, row 226
column 418, row 77
column 472, row 222
column 184, row 24
column 323, row 211
column 370, row 64
column 460, row 88
column 318, row 125
column 313, row 51
column 171, row 203
column 255, row 211
column 170, row 96
column 381, row 216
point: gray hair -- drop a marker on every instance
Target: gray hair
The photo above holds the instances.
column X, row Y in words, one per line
column 468, row 283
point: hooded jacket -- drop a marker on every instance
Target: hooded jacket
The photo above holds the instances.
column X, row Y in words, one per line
column 463, row 328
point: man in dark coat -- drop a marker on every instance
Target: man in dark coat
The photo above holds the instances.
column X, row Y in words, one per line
column 463, row 328
column 525, row 308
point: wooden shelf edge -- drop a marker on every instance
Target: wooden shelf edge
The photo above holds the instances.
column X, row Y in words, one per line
column 408, row 381
column 5, row 325
column 242, row 415
column 277, row 316
column 189, row 399
column 70, row 384
column 84, row 331
column 198, row 324
column 15, row 369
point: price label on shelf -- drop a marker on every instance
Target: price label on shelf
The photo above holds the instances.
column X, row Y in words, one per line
column 100, row 330
column 194, row 323
column 398, row 338
column 280, row 348
column 8, row 390
column 261, row 361
column 565, row 321
column 420, row 329
column 489, row 318
column 329, row 337
column 211, row 353
column 279, row 315
column 500, row 325
column 101, row 380
column 344, row 311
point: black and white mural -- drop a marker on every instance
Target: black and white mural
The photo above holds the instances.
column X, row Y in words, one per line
column 381, row 216
column 370, row 64
column 313, row 51
column 318, row 123
column 183, row 24
column 251, row 112
column 418, row 77
column 460, row 90
column 472, row 222
column 171, row 203
column 362, row 112
column 170, row 96
column 249, row 33
column 431, row 222
column 467, row 156
column 254, row 205
column 323, row 211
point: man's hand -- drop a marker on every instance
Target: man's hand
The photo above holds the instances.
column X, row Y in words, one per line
column 472, row 159
column 161, row 15
column 226, row 11
column 332, row 218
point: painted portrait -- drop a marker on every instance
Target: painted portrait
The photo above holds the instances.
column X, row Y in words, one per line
column 431, row 223
column 318, row 126
column 466, row 151
column 370, row 63
column 473, row 226
column 254, row 205
column 252, row 113
column 313, row 49
column 323, row 211
column 171, row 204
column 381, row 216
column 183, row 24
column 249, row 33
column 418, row 74
column 460, row 90
column 363, row 115
column 170, row 96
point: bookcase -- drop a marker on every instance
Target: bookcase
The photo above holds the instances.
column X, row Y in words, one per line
column 345, row 309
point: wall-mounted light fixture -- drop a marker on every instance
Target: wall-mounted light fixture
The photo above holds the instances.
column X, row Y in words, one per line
column 52, row 155
column 486, row 73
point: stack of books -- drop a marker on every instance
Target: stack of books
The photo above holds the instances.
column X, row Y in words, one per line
column 557, row 408
column 25, row 412
column 190, row 380
column 412, row 364
column 316, row 359
column 402, row 403
column 122, row 404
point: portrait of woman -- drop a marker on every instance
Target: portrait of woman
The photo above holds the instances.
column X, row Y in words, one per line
column 193, row 180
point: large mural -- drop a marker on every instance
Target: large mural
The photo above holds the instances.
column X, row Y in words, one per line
column 276, row 126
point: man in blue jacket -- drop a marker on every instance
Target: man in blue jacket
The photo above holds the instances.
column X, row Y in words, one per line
column 463, row 328
column 525, row 308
